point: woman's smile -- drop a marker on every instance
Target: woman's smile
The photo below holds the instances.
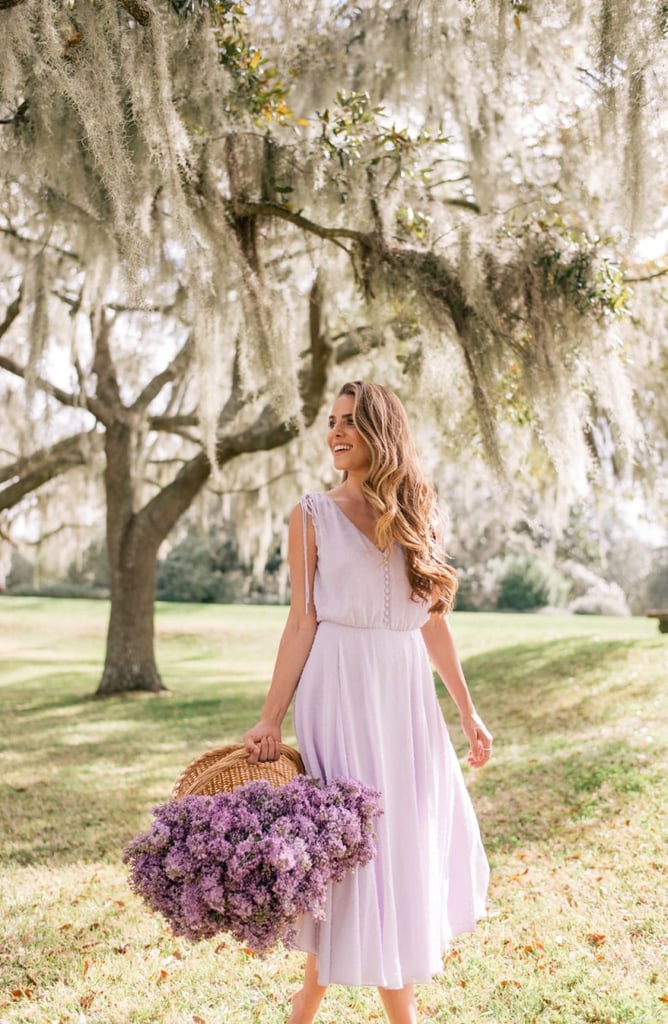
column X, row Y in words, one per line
column 345, row 442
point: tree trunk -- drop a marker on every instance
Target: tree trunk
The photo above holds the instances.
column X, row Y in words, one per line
column 132, row 549
column 133, row 540
column 130, row 659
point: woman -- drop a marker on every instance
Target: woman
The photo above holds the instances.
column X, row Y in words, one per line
column 370, row 588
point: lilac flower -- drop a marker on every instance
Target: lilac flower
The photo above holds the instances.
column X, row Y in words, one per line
column 252, row 861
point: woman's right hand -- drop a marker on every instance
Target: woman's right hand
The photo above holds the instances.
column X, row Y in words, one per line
column 263, row 742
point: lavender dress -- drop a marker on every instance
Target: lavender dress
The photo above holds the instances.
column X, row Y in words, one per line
column 366, row 708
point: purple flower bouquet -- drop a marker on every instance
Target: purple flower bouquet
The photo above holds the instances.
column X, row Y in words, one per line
column 251, row 861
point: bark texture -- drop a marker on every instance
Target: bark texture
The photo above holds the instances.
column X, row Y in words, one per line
column 133, row 541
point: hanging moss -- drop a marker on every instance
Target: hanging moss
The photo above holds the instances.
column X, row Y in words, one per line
column 458, row 163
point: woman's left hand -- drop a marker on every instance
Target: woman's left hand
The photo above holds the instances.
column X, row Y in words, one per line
column 479, row 737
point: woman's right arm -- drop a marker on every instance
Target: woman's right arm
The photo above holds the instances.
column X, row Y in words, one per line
column 263, row 740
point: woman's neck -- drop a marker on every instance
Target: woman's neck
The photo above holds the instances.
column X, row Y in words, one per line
column 352, row 487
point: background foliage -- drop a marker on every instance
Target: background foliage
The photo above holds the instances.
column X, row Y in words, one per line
column 215, row 212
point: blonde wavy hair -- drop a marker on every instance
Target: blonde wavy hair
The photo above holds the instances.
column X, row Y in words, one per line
column 400, row 494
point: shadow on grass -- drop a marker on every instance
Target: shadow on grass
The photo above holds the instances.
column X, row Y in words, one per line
column 76, row 814
column 81, row 775
column 553, row 797
column 560, row 712
column 546, row 687
column 231, row 711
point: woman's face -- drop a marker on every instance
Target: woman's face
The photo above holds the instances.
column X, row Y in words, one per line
column 349, row 450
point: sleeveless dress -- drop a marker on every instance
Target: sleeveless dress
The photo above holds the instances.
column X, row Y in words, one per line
column 366, row 708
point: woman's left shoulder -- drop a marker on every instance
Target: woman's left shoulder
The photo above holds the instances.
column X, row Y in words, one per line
column 312, row 504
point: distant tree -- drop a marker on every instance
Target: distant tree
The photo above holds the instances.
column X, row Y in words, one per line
column 209, row 206
column 21, row 573
column 657, row 583
column 524, row 584
column 92, row 569
column 197, row 570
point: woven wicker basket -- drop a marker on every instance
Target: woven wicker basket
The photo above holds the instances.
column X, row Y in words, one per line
column 226, row 768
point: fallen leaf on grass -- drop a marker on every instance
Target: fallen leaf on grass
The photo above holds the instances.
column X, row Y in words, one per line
column 508, row 982
column 663, row 999
column 596, row 940
column 198, row 1020
column 21, row 993
column 28, row 975
column 65, row 927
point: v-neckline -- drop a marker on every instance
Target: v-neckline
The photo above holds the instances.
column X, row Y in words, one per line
column 354, row 525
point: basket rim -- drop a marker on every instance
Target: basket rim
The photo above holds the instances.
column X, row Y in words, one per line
column 218, row 759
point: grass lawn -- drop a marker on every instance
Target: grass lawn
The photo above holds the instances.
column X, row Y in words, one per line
column 572, row 811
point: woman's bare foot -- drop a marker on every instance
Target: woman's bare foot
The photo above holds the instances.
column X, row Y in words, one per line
column 306, row 1001
column 295, row 1016
column 300, row 1013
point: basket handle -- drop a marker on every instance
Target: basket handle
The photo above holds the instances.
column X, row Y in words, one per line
column 235, row 757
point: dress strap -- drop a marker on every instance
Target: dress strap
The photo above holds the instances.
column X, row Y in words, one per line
column 308, row 508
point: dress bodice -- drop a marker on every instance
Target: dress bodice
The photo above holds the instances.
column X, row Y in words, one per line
column 354, row 584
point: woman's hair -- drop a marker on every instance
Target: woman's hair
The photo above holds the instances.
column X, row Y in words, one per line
column 398, row 491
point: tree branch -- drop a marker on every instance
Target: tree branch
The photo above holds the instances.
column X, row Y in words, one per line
column 170, row 373
column 258, row 487
column 173, row 424
column 11, row 314
column 41, row 466
column 465, row 204
column 52, row 533
column 274, row 210
column 359, row 339
column 137, row 10
column 40, row 243
column 69, row 446
column 173, row 500
column 64, row 397
column 648, row 277
column 73, row 401
column 313, row 379
column 108, row 390
column 445, row 295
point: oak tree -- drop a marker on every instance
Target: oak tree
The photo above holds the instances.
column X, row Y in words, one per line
column 209, row 206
